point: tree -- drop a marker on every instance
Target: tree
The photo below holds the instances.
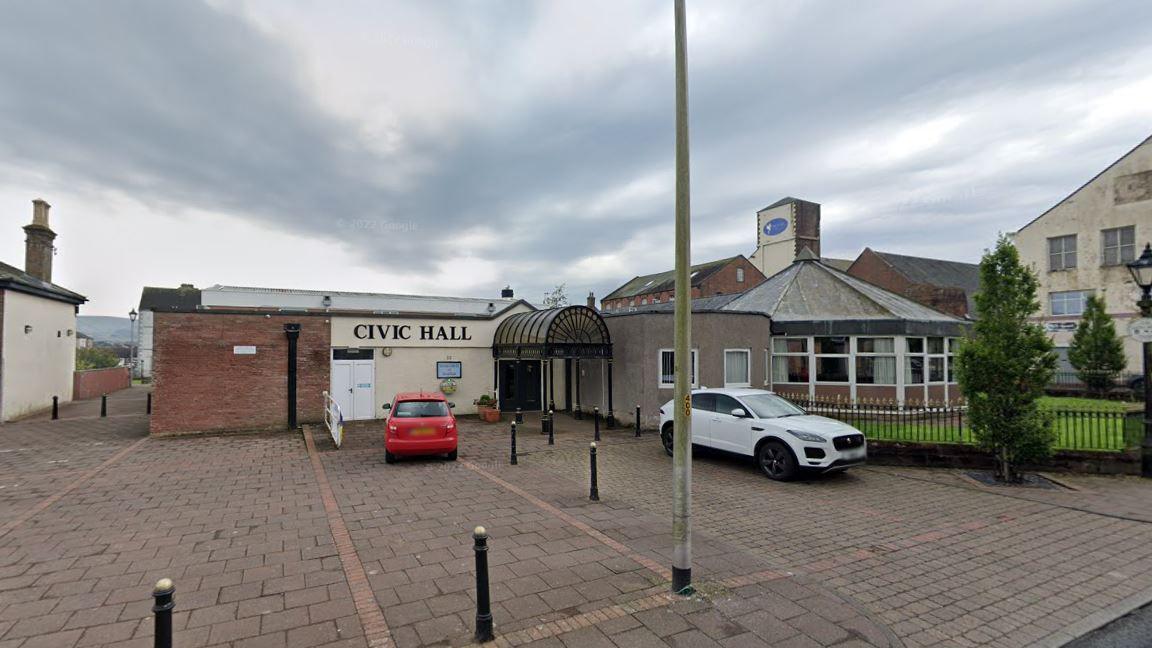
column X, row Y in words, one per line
column 95, row 358
column 1005, row 364
column 1096, row 351
column 557, row 298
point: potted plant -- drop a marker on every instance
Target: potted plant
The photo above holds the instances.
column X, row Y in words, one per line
column 487, row 408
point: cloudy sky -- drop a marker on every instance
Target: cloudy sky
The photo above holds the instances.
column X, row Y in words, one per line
column 452, row 146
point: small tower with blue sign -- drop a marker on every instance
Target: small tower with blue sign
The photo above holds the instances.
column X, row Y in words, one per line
column 783, row 229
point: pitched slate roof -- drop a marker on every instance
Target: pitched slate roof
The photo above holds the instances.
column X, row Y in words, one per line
column 662, row 281
column 809, row 297
column 13, row 278
column 712, row 304
column 184, row 299
column 840, row 264
column 937, row 272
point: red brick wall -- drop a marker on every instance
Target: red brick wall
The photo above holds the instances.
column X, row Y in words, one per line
column 723, row 281
column 91, row 383
column 200, row 385
column 871, row 268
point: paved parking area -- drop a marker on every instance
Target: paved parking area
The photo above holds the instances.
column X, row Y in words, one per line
column 282, row 540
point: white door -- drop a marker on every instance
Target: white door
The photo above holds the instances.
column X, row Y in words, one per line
column 363, row 389
column 354, row 389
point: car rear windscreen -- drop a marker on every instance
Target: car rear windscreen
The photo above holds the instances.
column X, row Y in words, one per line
column 420, row 409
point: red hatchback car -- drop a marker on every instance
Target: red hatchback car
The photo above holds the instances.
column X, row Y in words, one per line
column 419, row 423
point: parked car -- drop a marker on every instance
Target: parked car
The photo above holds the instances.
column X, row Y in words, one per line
column 419, row 423
column 783, row 438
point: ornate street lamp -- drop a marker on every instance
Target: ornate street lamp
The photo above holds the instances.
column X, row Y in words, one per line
column 1141, row 270
column 132, row 345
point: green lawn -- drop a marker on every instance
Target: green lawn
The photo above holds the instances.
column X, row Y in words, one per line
column 1097, row 427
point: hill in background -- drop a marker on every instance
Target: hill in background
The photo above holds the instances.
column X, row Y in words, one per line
column 105, row 329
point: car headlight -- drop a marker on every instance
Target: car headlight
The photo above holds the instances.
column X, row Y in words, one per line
column 808, row 436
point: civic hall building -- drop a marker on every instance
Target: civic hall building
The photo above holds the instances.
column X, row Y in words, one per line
column 231, row 358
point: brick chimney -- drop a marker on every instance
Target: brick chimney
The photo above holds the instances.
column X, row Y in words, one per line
column 591, row 300
column 38, row 246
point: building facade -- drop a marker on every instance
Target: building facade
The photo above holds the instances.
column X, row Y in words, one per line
column 1080, row 247
column 783, row 229
column 947, row 286
column 37, row 327
column 722, row 277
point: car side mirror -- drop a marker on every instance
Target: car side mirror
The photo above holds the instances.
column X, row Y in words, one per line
column 739, row 413
column 387, row 406
column 451, row 405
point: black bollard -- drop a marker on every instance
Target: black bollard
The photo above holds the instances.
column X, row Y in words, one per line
column 483, row 602
column 513, row 459
column 551, row 427
column 594, row 489
column 149, row 406
column 637, row 420
column 55, row 407
column 519, row 416
column 596, row 418
column 164, row 593
column 104, row 405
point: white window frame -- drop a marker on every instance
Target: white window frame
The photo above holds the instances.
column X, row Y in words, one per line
column 660, row 384
column 806, row 354
column 1063, row 253
column 929, row 355
column 748, row 371
column 814, row 370
column 909, row 355
column 739, row 275
column 1063, row 298
column 876, row 354
column 1120, row 246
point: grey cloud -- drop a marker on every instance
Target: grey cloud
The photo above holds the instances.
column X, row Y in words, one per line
column 186, row 105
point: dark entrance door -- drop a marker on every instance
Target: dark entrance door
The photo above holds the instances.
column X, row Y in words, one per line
column 520, row 385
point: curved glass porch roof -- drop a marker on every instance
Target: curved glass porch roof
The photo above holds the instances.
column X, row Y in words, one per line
column 567, row 332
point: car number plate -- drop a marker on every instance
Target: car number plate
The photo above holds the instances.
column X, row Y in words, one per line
column 855, row 453
column 424, row 431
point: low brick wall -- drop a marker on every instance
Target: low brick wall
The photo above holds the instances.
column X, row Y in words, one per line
column 90, row 383
column 946, row 455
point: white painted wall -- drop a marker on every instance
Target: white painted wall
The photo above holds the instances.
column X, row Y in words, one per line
column 144, row 343
column 776, row 252
column 38, row 365
column 1118, row 197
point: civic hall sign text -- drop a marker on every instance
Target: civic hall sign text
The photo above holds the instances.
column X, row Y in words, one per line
column 404, row 332
column 429, row 332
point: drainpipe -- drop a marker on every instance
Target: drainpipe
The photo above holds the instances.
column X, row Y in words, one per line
column 292, row 330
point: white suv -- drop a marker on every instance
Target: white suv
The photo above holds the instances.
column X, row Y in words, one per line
column 783, row 438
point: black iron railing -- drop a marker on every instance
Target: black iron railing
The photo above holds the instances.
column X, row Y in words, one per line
column 1107, row 427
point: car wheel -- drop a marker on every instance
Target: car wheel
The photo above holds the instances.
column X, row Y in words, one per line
column 666, row 439
column 776, row 461
column 389, row 457
column 452, row 455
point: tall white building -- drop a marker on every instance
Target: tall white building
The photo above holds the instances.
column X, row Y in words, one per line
column 1080, row 247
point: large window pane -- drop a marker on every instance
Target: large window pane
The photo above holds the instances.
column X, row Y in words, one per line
column 875, row 345
column 876, row 370
column 790, row 369
column 935, row 345
column 736, row 369
column 831, row 345
column 915, row 345
column 1119, row 245
column 914, row 370
column 790, row 345
column 936, row 369
column 831, row 369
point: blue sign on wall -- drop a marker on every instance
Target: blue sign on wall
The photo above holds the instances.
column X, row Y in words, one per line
column 775, row 226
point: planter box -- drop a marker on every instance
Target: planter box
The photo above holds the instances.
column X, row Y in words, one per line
column 488, row 414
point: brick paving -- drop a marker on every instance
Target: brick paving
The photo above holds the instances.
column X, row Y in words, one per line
column 276, row 541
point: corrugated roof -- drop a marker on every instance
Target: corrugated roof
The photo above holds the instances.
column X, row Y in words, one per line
column 808, row 290
column 255, row 297
column 663, row 281
column 937, row 272
column 13, row 278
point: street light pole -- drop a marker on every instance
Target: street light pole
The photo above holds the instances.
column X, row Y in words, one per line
column 682, row 405
column 1141, row 270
